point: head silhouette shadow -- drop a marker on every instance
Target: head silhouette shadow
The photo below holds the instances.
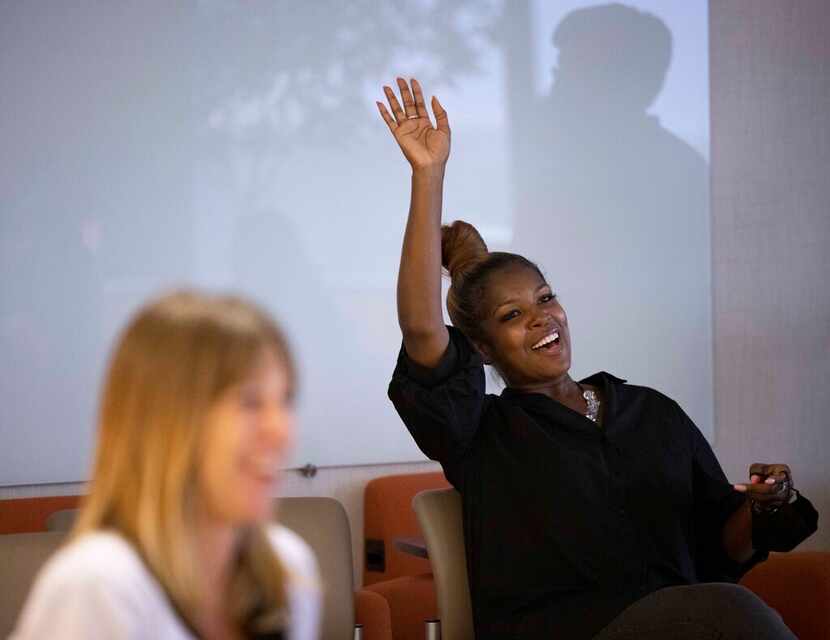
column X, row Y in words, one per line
column 612, row 203
column 594, row 160
column 613, row 59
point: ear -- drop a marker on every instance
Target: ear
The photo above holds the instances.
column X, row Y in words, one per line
column 483, row 351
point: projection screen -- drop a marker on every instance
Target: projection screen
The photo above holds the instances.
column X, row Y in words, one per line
column 236, row 147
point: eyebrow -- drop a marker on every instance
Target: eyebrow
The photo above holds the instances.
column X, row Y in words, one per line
column 513, row 300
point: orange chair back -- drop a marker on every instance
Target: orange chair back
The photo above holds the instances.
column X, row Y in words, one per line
column 388, row 514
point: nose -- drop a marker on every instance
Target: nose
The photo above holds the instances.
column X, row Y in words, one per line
column 277, row 428
column 540, row 319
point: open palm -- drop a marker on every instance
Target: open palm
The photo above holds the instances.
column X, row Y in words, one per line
column 423, row 145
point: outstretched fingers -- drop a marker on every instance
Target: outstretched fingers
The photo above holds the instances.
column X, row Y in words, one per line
column 441, row 119
column 397, row 112
column 408, row 101
column 387, row 117
column 420, row 105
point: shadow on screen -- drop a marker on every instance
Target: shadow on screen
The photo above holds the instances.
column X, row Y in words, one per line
column 604, row 194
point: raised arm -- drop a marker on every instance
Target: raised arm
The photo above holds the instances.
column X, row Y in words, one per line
column 419, row 276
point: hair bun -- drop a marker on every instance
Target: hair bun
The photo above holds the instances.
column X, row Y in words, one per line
column 462, row 247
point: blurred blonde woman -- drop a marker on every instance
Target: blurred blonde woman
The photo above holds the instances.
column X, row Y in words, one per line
column 175, row 539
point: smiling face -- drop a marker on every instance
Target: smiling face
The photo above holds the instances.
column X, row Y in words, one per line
column 524, row 328
column 248, row 432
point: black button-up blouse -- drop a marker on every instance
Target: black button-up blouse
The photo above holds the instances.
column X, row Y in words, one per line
column 567, row 523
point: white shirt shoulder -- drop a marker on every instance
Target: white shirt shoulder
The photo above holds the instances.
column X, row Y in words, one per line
column 303, row 582
column 98, row 587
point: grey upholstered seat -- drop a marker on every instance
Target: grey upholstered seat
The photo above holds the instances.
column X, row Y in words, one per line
column 21, row 557
column 439, row 514
column 62, row 520
column 324, row 525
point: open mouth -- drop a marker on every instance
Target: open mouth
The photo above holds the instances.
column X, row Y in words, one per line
column 548, row 343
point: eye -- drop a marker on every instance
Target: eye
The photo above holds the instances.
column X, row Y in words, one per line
column 510, row 315
column 250, row 400
column 548, row 297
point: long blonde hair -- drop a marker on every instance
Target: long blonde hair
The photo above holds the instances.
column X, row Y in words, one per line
column 172, row 363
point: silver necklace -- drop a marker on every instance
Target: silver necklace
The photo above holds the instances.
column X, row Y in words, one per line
column 592, row 401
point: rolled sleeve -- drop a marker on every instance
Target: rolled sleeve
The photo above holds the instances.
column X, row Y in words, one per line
column 441, row 406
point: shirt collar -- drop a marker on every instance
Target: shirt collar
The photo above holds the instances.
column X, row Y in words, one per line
column 597, row 379
column 562, row 415
column 600, row 377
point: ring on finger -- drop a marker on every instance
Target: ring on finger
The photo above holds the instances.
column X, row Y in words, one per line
column 412, row 117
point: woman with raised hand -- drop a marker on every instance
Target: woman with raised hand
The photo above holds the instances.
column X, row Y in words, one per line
column 592, row 508
column 175, row 539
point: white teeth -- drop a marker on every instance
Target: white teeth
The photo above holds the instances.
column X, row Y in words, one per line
column 546, row 340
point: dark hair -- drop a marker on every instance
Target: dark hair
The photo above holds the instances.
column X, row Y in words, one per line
column 469, row 264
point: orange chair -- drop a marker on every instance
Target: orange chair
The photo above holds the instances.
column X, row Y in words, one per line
column 29, row 515
column 797, row 585
column 403, row 580
column 388, row 515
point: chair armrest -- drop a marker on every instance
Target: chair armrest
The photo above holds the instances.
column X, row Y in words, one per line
column 797, row 585
column 411, row 600
column 372, row 611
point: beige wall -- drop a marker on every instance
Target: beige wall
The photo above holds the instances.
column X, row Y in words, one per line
column 770, row 87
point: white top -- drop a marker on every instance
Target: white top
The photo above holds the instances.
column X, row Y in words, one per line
column 98, row 587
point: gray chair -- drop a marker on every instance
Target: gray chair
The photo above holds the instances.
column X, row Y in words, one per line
column 324, row 525
column 62, row 520
column 439, row 514
column 21, row 557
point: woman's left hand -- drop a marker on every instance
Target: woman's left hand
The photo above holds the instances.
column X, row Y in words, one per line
column 769, row 486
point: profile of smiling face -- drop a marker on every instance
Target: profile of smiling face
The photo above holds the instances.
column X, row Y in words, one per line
column 248, row 431
column 524, row 330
